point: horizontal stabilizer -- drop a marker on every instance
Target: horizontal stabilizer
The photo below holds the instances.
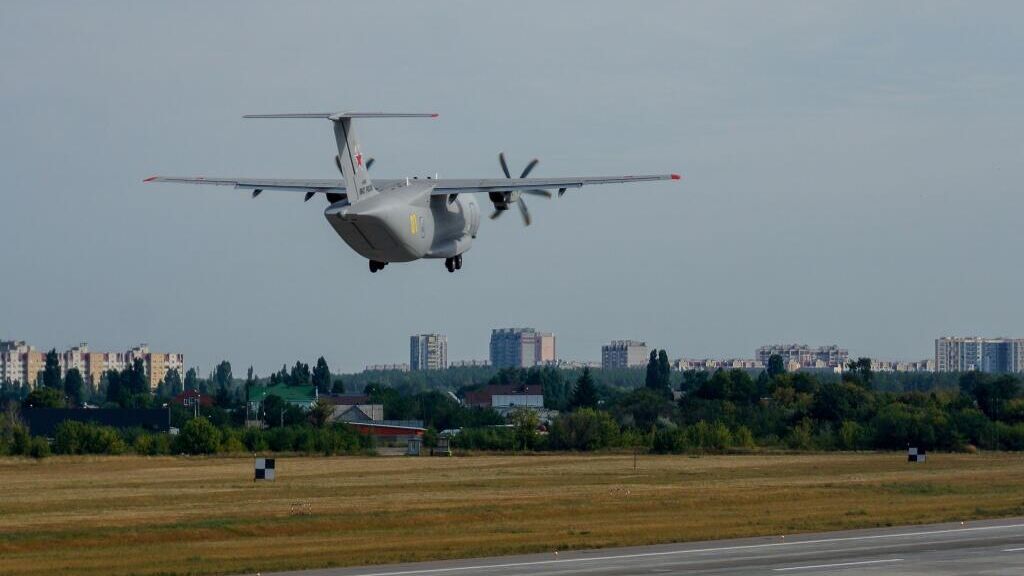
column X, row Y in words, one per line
column 340, row 115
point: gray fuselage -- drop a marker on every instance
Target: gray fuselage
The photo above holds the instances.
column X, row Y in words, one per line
column 405, row 223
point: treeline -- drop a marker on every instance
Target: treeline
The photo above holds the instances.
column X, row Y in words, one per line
column 197, row 436
column 730, row 409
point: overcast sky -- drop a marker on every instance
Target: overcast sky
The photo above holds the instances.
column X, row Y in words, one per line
column 851, row 174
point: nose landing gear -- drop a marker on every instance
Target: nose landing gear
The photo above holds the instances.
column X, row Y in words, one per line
column 375, row 265
column 453, row 264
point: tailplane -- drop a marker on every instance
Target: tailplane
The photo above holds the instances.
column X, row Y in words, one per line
column 350, row 158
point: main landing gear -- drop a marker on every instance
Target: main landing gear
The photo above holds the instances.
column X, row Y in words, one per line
column 374, row 265
column 453, row 264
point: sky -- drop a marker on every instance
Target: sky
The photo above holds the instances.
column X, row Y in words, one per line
column 851, row 174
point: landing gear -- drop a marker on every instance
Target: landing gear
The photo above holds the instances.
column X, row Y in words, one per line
column 453, row 264
column 375, row 265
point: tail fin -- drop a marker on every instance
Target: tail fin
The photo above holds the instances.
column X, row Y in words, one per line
column 350, row 158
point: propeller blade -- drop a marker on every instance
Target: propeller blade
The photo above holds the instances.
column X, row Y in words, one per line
column 529, row 168
column 256, row 192
column 496, row 213
column 538, row 192
column 308, row 196
column 525, row 212
column 369, row 162
column 504, row 165
column 561, row 191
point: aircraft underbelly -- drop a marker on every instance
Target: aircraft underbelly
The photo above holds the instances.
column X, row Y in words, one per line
column 384, row 234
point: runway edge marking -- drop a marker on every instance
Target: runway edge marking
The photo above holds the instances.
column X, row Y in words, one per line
column 692, row 551
column 860, row 563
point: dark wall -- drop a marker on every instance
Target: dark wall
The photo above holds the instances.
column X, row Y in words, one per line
column 44, row 421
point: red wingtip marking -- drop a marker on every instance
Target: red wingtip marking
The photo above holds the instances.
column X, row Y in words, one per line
column 676, row 177
column 150, row 179
column 434, row 115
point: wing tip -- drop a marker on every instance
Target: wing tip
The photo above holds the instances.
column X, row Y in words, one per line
column 434, row 114
column 675, row 176
column 151, row 178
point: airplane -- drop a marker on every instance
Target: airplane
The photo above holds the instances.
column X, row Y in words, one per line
column 402, row 220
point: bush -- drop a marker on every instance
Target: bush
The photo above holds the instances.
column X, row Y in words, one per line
column 489, row 438
column 585, row 429
column 39, row 448
column 73, row 437
column 198, row 436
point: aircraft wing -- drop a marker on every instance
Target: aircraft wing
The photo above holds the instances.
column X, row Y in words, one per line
column 292, row 185
column 458, row 186
column 443, row 186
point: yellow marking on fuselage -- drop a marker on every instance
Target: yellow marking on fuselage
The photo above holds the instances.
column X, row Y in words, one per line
column 413, row 224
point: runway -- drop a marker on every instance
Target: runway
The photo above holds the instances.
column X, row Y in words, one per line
column 991, row 547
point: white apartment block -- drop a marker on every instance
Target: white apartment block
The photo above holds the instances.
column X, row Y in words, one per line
column 428, row 352
column 966, row 354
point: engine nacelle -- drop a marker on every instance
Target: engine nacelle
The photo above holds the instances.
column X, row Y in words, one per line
column 502, row 200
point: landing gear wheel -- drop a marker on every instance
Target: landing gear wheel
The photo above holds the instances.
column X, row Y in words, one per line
column 449, row 263
column 458, row 262
column 375, row 265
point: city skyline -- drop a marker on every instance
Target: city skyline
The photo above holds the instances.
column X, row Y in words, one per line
column 615, row 353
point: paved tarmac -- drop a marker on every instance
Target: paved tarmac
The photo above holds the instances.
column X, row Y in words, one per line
column 991, row 547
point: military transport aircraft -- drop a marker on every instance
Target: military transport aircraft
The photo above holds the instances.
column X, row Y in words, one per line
column 401, row 220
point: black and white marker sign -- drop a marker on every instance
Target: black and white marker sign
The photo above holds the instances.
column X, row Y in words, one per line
column 264, row 469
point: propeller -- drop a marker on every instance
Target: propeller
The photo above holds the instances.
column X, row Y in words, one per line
column 501, row 200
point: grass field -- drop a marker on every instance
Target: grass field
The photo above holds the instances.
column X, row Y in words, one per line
column 136, row 515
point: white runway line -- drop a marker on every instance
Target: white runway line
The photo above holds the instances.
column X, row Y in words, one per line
column 481, row 567
column 841, row 564
column 1013, row 549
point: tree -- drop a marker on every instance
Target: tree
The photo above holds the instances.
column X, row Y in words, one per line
column 198, row 436
column 776, row 366
column 134, row 378
column 191, row 379
column 584, row 395
column 320, row 413
column 664, row 372
column 652, row 371
column 659, row 373
column 322, row 376
column 116, row 392
column 172, row 383
column 222, row 374
column 859, row 372
column 299, row 375
column 338, row 387
column 44, row 397
column 51, row 371
column 74, row 386
column 524, row 422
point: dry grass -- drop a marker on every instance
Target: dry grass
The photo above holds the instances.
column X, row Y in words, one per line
column 134, row 515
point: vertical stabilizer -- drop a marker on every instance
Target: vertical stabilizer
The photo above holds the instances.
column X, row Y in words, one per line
column 351, row 162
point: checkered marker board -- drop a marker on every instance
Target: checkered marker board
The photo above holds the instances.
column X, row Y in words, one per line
column 916, row 455
column 264, row 469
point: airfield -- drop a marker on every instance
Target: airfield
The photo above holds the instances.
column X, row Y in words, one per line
column 171, row 515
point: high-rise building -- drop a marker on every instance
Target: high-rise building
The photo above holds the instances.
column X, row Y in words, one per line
column 428, row 352
column 997, row 355
column 521, row 348
column 804, row 356
column 624, row 354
